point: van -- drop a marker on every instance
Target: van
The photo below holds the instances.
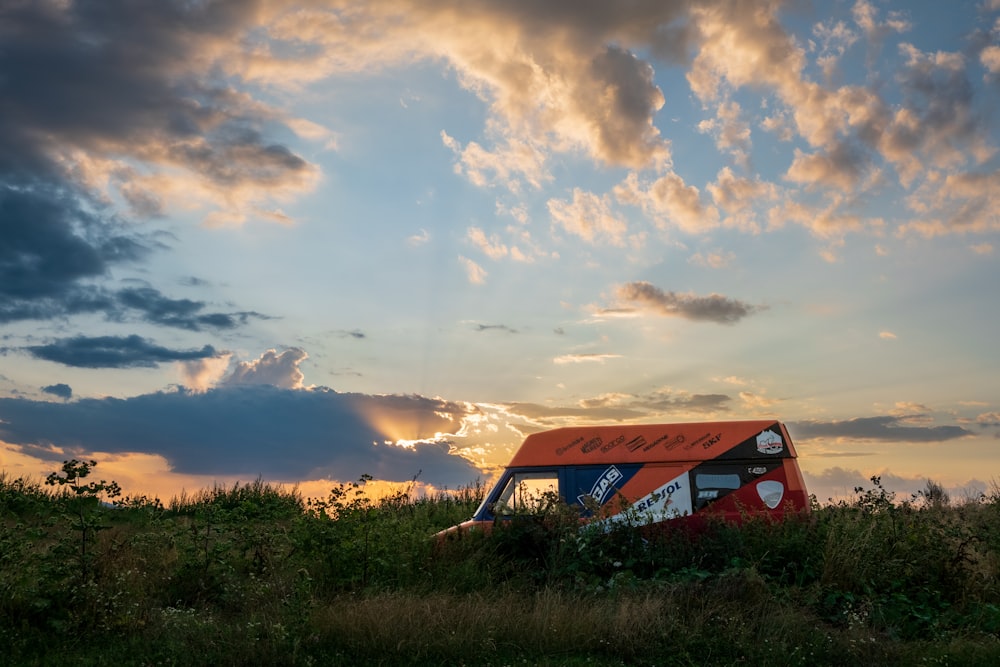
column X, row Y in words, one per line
column 650, row 473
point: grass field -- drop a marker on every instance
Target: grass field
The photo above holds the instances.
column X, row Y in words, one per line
column 256, row 574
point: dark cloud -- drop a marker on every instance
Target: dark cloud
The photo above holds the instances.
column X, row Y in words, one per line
column 251, row 430
column 181, row 313
column 47, row 270
column 194, row 281
column 113, row 352
column 669, row 402
column 61, row 390
column 712, row 308
column 840, row 166
column 160, row 309
column 118, row 89
column 938, row 123
column 495, row 327
column 651, row 407
column 941, row 95
column 885, row 428
column 114, row 71
column 627, row 85
column 52, row 249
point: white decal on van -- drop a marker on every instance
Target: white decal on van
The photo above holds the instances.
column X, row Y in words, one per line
column 769, row 442
column 669, row 501
column 771, row 492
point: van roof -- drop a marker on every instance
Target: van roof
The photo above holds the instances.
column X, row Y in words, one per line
column 652, row 443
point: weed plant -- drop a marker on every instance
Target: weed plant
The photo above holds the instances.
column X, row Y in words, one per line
column 257, row 574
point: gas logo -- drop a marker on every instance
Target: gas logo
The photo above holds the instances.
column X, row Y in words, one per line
column 604, row 485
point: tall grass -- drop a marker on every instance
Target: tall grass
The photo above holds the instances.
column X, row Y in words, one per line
column 257, row 574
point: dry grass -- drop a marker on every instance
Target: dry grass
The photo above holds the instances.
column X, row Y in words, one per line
column 637, row 627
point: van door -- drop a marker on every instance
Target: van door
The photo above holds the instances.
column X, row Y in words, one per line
column 521, row 490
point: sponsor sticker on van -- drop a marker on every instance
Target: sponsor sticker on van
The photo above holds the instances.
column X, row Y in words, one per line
column 771, row 492
column 769, row 442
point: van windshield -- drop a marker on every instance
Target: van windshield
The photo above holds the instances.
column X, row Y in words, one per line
column 526, row 491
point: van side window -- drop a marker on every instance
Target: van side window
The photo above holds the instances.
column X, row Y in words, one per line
column 709, row 486
column 526, row 491
column 716, row 481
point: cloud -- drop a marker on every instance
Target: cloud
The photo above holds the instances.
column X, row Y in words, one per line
column 519, row 245
column 758, row 403
column 956, row 203
column 604, row 400
column 660, row 405
column 203, row 374
column 61, row 390
column 113, row 352
column 474, row 272
column 495, row 327
column 136, row 81
column 272, row 368
column 835, row 38
column 667, row 401
column 939, row 120
column 492, row 247
column 887, row 335
column 886, row 428
column 737, row 197
column 554, row 77
column 354, row 333
column 513, row 163
column 715, row 259
column 125, row 112
column 935, row 123
column 588, row 216
column 988, row 419
column 990, row 58
column 182, row 313
column 711, row 308
column 53, row 246
column 911, row 412
column 866, row 16
column 252, row 429
column 840, row 168
column 669, row 201
column 731, row 131
column 419, row 239
column 828, row 222
column 584, row 358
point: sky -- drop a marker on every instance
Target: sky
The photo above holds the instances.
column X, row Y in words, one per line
column 309, row 240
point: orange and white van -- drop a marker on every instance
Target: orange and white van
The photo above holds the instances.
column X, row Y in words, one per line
column 652, row 472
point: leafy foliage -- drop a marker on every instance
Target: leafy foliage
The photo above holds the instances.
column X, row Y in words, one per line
column 257, row 574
